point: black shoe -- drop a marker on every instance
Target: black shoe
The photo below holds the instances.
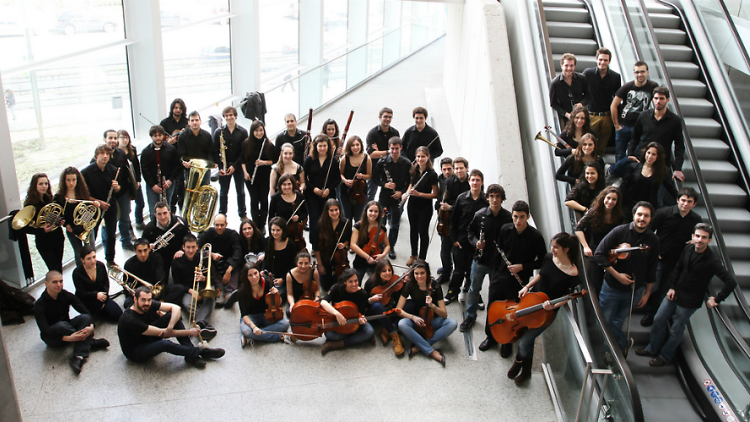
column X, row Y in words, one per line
column 195, row 361
column 657, row 362
column 466, row 324
column 140, row 226
column 76, row 363
column 207, row 332
column 486, row 344
column 230, row 299
column 219, row 302
column 506, row 350
column 647, row 320
column 642, row 351
column 440, row 270
column 212, row 353
column 392, row 255
column 99, row 343
column 480, row 306
column 442, row 357
column 412, row 352
column 128, row 246
column 450, row 297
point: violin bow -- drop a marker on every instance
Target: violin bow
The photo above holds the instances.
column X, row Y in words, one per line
column 343, row 229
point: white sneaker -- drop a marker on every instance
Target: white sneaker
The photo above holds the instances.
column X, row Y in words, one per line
column 244, row 341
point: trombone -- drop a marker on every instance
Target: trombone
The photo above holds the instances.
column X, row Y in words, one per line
column 208, row 292
column 129, row 282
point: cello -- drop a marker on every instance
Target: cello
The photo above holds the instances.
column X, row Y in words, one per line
column 509, row 320
column 310, row 287
column 427, row 314
column 309, row 319
column 376, row 237
column 295, row 229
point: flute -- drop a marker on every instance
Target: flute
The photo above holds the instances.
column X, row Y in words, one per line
column 255, row 171
column 408, row 194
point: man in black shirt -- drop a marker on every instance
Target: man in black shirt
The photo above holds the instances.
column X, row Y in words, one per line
column 119, row 159
column 226, row 253
column 603, row 83
column 524, row 249
column 568, row 89
column 694, row 270
column 166, row 245
column 100, row 179
column 294, row 136
column 193, row 143
column 161, row 168
column 674, row 226
column 56, row 328
column 464, row 208
column 233, row 136
column 628, row 281
column 421, row 135
column 176, row 121
column 143, row 332
column 377, row 144
column 446, row 261
column 392, row 174
column 149, row 267
column 630, row 101
column 186, row 271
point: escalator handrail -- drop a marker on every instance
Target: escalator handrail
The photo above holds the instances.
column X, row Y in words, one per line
column 726, row 260
column 545, row 38
column 735, row 33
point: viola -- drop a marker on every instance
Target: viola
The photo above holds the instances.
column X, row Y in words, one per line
column 444, row 219
column 274, row 312
column 308, row 318
column 624, row 251
column 395, row 284
column 295, row 231
column 358, row 192
column 310, row 286
column 340, row 262
column 509, row 319
column 427, row 314
column 377, row 238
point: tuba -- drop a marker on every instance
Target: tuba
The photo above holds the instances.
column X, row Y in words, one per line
column 86, row 215
column 130, row 282
column 200, row 201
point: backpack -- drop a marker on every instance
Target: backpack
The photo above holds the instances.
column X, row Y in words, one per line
column 14, row 304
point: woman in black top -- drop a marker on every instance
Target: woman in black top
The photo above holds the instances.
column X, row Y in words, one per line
column 286, row 165
column 586, row 189
column 72, row 186
column 280, row 254
column 287, row 201
column 347, row 289
column 331, row 131
column 423, row 188
column 303, row 273
column 361, row 232
column 422, row 292
column 557, row 277
column 322, row 174
column 92, row 286
column 644, row 179
column 252, row 240
column 252, row 298
column 578, row 125
column 605, row 214
column 572, row 168
column 258, row 151
column 380, row 278
column 355, row 165
column 334, row 233
column 49, row 240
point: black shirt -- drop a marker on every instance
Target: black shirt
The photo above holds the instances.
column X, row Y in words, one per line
column 170, row 163
column 170, row 125
column 280, row 262
column 132, row 325
column 582, row 194
column 601, row 91
column 463, row 213
column 338, row 294
column 562, row 97
column 492, row 224
column 635, row 100
column 153, row 231
column 567, row 173
column 195, row 146
column 455, row 188
column 87, row 289
column 692, row 275
column 232, row 141
column 278, row 207
column 419, row 296
column 642, row 263
column 298, row 143
column 673, row 231
column 399, row 173
column 636, row 187
column 376, row 136
column 594, row 236
column 49, row 312
column 315, row 174
column 249, row 155
column 227, row 245
column 251, row 305
column 151, row 271
column 665, row 131
column 414, row 139
column 526, row 248
column 99, row 181
column 183, row 270
column 553, row 281
column 423, row 186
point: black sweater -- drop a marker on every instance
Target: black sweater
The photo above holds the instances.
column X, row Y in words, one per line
column 48, row 311
column 692, row 275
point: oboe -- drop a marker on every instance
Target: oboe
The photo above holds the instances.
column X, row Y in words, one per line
column 252, row 178
column 159, row 177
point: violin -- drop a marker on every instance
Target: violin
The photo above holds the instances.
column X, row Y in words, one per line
column 358, row 190
column 509, row 320
column 395, row 284
column 274, row 312
column 444, row 219
column 310, row 286
column 294, row 231
column 427, row 314
column 308, row 318
column 340, row 261
column 623, row 251
column 377, row 238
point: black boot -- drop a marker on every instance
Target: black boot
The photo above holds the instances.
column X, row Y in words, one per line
column 525, row 372
column 506, row 350
column 515, row 369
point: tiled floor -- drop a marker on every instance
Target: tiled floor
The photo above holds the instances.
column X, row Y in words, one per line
column 288, row 382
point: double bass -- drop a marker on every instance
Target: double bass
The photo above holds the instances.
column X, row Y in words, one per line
column 309, row 319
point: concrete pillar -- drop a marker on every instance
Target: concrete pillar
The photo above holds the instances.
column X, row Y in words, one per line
column 310, row 54
column 356, row 61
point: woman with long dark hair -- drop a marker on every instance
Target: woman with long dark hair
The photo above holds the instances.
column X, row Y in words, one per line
column 252, row 298
column 362, row 232
column 322, row 174
column 253, row 156
column 331, row 131
column 605, row 214
column 587, row 188
column 572, row 168
column 381, row 277
column 578, row 125
column 92, row 286
column 644, row 179
column 346, row 289
column 131, row 154
column 423, row 188
column 280, row 254
column 334, row 234
column 286, row 165
column 302, row 273
column 356, row 165
column 287, row 202
column 49, row 240
column 72, row 187
column 252, row 240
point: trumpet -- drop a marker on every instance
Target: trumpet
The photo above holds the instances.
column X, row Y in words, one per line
column 559, row 138
column 208, row 292
column 86, row 215
column 163, row 240
column 130, row 282
column 539, row 137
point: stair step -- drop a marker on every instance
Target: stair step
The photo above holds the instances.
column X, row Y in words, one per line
column 583, row 62
column 564, row 3
column 742, row 272
column 652, row 7
column 710, row 149
column 676, row 53
column 738, row 246
column 566, row 14
column 664, row 20
column 639, row 364
column 683, row 70
column 685, row 88
column 670, row 36
column 731, row 220
column 576, row 46
column 696, row 107
column 723, row 195
column 713, row 172
column 700, row 127
column 570, row 29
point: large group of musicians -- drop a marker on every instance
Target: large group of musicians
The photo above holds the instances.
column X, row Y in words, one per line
column 643, row 244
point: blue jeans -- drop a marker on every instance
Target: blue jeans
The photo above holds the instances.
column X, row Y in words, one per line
column 443, row 328
column 526, row 343
column 377, row 308
column 478, row 272
column 153, row 198
column 372, row 188
column 620, row 167
column 363, row 333
column 446, row 256
column 261, row 322
column 66, row 328
column 663, row 341
column 239, row 187
column 615, row 305
column 622, row 138
column 394, row 220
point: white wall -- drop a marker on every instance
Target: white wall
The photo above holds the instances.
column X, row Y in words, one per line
column 478, row 82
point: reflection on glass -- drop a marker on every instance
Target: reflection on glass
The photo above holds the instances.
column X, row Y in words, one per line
column 335, row 34
column 406, row 15
column 283, row 98
column 279, row 38
column 374, row 19
column 334, row 79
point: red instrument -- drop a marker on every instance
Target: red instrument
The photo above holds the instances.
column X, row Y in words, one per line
column 377, row 238
column 358, row 190
column 340, row 262
column 310, row 319
column 509, row 320
column 274, row 311
column 310, row 286
column 427, row 314
column 295, row 230
column 444, row 219
column 623, row 251
column 395, row 284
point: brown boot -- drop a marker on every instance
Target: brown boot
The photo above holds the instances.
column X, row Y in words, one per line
column 331, row 345
column 398, row 347
column 525, row 372
column 410, row 261
column 515, row 369
column 385, row 336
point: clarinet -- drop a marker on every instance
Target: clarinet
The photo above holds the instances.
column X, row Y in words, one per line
column 252, row 178
column 480, row 252
column 508, row 264
column 159, row 177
